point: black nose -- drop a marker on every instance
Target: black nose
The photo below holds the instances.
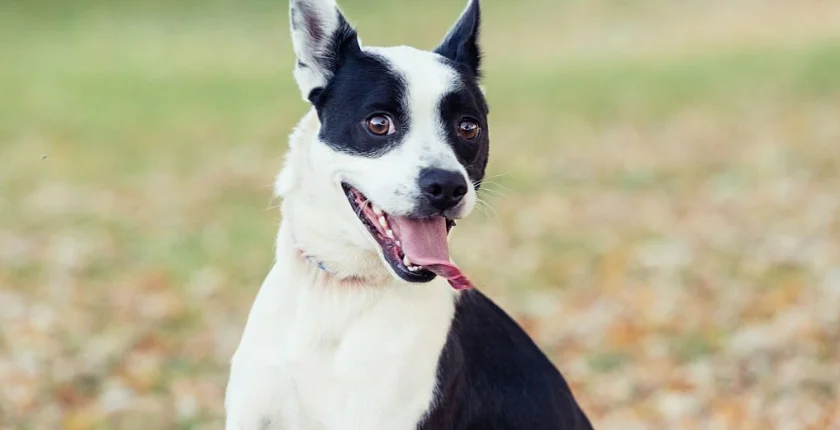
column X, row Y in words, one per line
column 443, row 189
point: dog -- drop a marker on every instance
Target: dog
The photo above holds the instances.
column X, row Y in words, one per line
column 364, row 322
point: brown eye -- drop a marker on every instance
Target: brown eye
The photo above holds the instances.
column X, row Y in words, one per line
column 380, row 125
column 468, row 130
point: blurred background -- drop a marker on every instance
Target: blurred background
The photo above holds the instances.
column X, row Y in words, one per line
column 663, row 217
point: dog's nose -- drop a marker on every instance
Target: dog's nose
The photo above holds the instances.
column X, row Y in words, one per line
column 443, row 189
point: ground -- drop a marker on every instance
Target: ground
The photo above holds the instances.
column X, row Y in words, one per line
column 662, row 212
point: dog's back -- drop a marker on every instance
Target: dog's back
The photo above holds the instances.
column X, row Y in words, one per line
column 492, row 376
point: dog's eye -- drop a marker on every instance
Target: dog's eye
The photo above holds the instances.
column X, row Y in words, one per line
column 468, row 130
column 380, row 125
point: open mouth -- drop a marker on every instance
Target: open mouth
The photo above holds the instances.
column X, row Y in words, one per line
column 415, row 248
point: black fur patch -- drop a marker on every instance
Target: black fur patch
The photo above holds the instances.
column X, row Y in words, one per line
column 461, row 44
column 491, row 376
column 364, row 85
column 467, row 101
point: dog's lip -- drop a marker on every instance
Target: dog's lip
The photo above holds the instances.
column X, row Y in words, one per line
column 371, row 217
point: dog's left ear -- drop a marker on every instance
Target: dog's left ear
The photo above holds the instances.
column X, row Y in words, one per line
column 461, row 44
column 322, row 40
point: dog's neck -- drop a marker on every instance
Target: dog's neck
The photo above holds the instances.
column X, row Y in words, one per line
column 327, row 264
column 311, row 233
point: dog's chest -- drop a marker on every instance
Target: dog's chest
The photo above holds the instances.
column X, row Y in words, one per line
column 339, row 360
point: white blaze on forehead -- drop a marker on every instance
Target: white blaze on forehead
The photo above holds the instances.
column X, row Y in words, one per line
column 427, row 77
column 427, row 81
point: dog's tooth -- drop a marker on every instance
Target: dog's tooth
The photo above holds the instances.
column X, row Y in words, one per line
column 398, row 242
column 390, row 234
column 383, row 222
column 406, row 261
column 377, row 210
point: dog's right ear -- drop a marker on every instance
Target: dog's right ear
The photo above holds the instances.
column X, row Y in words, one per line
column 322, row 39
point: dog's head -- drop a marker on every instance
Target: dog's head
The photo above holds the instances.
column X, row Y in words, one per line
column 392, row 152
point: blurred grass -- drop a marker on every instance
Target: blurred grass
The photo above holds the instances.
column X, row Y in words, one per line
column 663, row 185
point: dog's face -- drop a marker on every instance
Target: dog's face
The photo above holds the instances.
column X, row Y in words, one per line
column 402, row 137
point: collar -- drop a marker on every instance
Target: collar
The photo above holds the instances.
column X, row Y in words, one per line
column 319, row 264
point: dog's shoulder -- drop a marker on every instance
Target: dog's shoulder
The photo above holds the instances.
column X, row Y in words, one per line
column 491, row 375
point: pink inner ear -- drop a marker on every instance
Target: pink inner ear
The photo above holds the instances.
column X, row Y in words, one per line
column 303, row 14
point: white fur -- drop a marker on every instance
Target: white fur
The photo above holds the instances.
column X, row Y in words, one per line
column 355, row 347
column 321, row 353
column 351, row 349
column 307, row 49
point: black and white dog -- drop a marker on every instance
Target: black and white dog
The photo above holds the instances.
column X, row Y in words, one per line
column 363, row 322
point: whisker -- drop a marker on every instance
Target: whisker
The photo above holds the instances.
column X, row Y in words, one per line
column 495, row 176
column 485, row 206
column 361, row 207
column 493, row 187
column 274, row 202
column 490, row 184
column 492, row 192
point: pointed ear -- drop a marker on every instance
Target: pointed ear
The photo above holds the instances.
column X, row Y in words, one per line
column 461, row 44
column 322, row 39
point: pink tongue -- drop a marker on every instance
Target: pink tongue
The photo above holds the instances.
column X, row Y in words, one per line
column 424, row 242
